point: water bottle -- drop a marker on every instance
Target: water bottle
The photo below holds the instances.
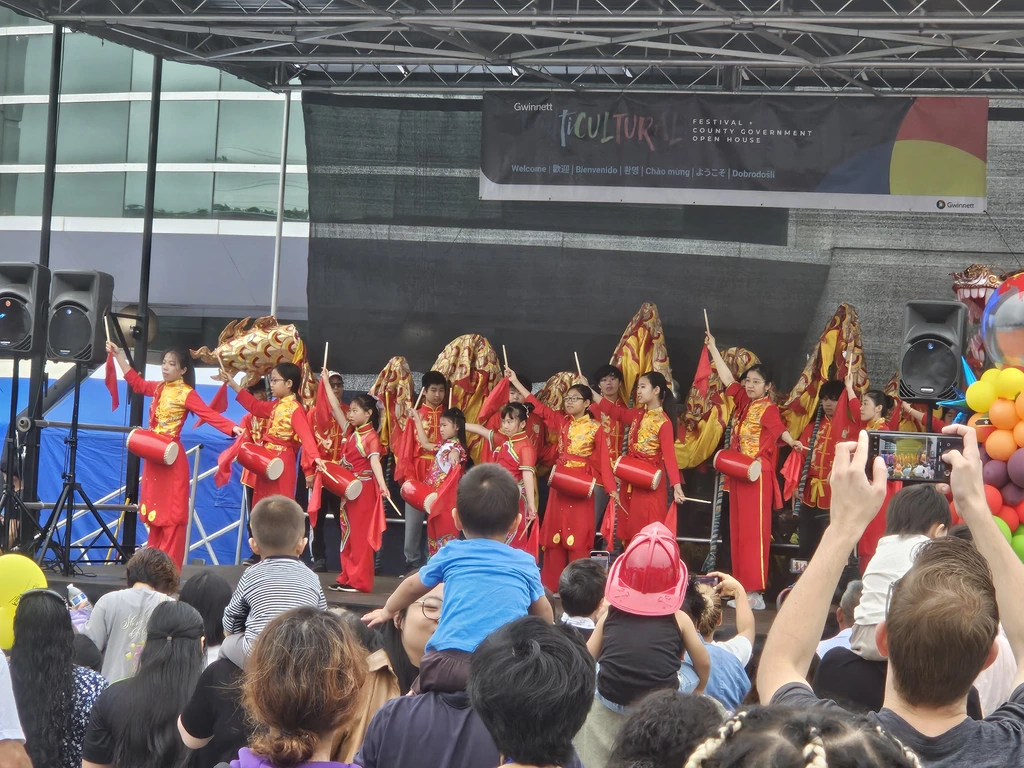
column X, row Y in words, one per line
column 77, row 598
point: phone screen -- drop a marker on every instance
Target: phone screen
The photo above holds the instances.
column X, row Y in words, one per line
column 711, row 581
column 913, row 457
column 601, row 556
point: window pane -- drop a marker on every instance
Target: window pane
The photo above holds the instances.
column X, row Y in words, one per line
column 177, row 194
column 296, row 133
column 142, row 71
column 250, row 132
column 254, row 195
column 92, row 133
column 22, row 133
column 92, row 65
column 188, row 132
column 25, row 64
column 88, row 194
column 178, row 76
column 232, row 83
column 21, row 194
column 9, row 18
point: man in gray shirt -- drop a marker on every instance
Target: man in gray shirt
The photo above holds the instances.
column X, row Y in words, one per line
column 940, row 626
column 118, row 621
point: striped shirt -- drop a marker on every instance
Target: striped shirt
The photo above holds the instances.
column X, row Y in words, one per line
column 265, row 591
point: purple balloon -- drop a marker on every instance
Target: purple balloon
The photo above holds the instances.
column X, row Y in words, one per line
column 995, row 473
column 1015, row 467
column 1012, row 494
column 983, row 452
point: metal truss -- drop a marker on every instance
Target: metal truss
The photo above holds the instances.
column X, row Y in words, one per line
column 850, row 47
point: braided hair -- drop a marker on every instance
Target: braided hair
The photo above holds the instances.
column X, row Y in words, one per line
column 783, row 737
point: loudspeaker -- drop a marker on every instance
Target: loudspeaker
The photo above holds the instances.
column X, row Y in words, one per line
column 78, row 302
column 934, row 336
column 24, row 289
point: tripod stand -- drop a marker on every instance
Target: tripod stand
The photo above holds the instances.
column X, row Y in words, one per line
column 11, row 503
column 66, row 502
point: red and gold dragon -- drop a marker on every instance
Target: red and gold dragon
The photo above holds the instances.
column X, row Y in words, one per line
column 973, row 287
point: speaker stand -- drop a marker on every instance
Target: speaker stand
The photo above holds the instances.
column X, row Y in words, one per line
column 66, row 502
column 11, row 504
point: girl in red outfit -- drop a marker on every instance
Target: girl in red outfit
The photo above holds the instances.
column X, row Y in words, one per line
column 757, row 429
column 567, row 531
column 362, row 518
column 285, row 431
column 652, row 434
column 870, row 414
column 451, row 460
column 164, row 493
column 511, row 448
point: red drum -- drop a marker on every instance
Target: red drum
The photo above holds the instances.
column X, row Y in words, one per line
column 419, row 495
column 260, row 461
column 637, row 472
column 341, row 482
column 735, row 464
column 572, row 481
column 150, row 446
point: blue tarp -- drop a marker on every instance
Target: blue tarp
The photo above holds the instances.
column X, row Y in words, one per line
column 102, row 458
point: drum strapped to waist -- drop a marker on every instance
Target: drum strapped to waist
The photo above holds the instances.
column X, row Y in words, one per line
column 260, row 461
column 419, row 495
column 572, row 482
column 637, row 472
column 148, row 445
column 735, row 464
column 340, row 481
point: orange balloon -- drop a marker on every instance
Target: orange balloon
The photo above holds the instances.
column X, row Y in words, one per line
column 1018, row 433
column 983, row 430
column 1000, row 445
column 1019, row 405
column 1003, row 414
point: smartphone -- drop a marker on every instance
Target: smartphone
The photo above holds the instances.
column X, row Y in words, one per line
column 912, row 457
column 711, row 581
column 602, row 556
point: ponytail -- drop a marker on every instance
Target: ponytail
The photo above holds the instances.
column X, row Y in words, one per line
column 668, row 400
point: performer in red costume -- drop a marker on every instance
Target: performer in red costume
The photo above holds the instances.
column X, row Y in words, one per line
column 609, row 383
column 451, row 460
column 757, row 429
column 164, row 493
column 362, row 523
column 329, row 435
column 503, row 394
column 871, row 414
column 567, row 531
column 512, row 449
column 287, row 429
column 652, row 434
column 435, row 395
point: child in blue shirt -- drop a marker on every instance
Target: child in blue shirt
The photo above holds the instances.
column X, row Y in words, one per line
column 486, row 582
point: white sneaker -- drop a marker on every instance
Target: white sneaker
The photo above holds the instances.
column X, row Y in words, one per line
column 756, row 600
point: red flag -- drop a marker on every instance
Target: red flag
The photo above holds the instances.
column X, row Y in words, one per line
column 110, row 379
column 220, row 400
column 703, row 375
column 322, row 413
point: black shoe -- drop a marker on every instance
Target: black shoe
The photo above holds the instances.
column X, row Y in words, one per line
column 342, row 588
column 319, row 566
column 251, row 560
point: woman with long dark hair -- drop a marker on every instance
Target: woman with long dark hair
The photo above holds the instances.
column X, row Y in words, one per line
column 54, row 696
column 209, row 594
column 756, row 434
column 301, row 689
column 134, row 722
column 652, row 434
column 163, row 495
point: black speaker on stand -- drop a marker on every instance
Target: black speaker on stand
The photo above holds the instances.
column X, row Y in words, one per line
column 24, row 290
column 934, row 338
column 78, row 303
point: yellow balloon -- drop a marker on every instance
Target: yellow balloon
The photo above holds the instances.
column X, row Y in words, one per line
column 980, row 396
column 990, row 375
column 18, row 574
column 1010, row 383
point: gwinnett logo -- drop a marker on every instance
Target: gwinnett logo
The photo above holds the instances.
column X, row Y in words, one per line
column 943, row 205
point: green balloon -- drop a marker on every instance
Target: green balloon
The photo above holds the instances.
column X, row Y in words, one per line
column 1018, row 546
column 1004, row 528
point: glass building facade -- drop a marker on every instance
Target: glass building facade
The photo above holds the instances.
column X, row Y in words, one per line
column 220, row 137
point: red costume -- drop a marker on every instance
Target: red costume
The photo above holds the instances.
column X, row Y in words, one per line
column 362, row 518
column 286, row 431
column 567, row 532
column 831, row 432
column 423, row 459
column 444, row 475
column 518, row 456
column 164, row 493
column 490, row 417
column 756, row 435
column 868, row 543
column 651, row 441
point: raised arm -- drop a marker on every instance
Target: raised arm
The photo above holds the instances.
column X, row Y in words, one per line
column 552, row 420
column 716, row 358
column 1007, row 569
column 408, row 591
column 421, row 433
column 694, row 646
column 310, row 450
column 263, row 409
column 476, row 429
column 793, row 638
column 195, row 404
column 729, row 588
column 336, row 409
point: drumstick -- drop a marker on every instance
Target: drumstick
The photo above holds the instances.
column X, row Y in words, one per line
column 419, row 399
column 394, row 506
column 504, row 355
column 450, row 393
column 579, row 370
column 327, row 346
column 697, row 501
column 106, row 327
column 706, row 326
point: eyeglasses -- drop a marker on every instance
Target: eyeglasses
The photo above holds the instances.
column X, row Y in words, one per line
column 888, row 595
column 277, row 381
column 573, row 399
column 431, row 608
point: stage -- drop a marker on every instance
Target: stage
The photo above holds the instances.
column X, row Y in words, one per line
column 100, row 579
